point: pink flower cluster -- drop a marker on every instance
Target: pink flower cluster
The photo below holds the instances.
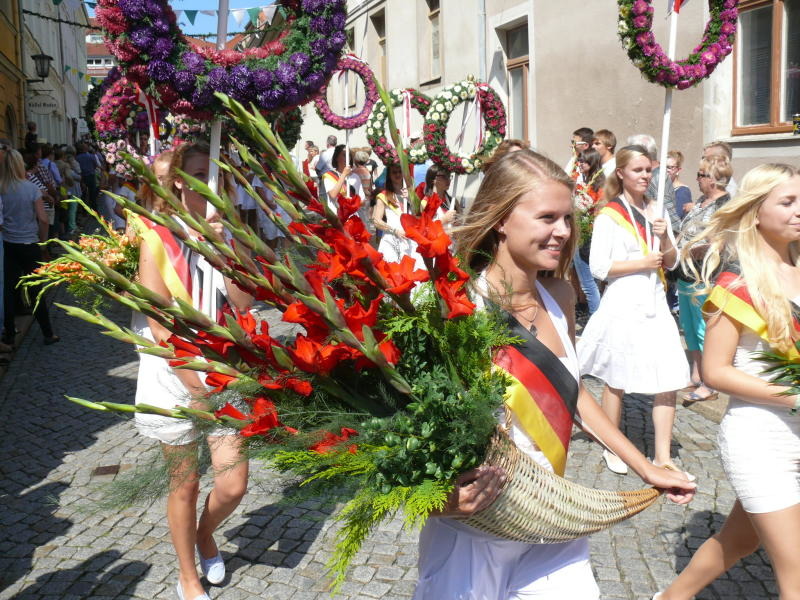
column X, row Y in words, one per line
column 364, row 73
column 635, row 31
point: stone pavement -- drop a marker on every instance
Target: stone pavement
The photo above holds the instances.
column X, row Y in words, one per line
column 52, row 545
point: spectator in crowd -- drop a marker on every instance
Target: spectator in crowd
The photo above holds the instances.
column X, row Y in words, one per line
column 683, row 195
column 71, row 179
column 31, row 137
column 340, row 178
column 591, row 168
column 437, row 181
column 89, row 166
column 712, row 177
column 605, row 142
column 421, row 170
column 723, row 150
column 25, row 225
column 632, row 342
column 581, row 140
column 324, row 162
column 39, row 177
column 390, row 205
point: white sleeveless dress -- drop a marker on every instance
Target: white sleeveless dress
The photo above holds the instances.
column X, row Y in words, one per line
column 157, row 384
column 459, row 562
column 760, row 445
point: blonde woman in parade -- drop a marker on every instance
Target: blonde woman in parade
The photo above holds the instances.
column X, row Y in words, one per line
column 521, row 224
column 631, row 342
column 170, row 269
column 751, row 274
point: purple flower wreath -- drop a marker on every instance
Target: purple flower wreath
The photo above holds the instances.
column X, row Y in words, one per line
column 435, row 129
column 362, row 70
column 376, row 127
column 635, row 31
column 144, row 36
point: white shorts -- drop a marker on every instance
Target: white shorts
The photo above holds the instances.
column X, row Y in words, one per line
column 760, row 450
column 458, row 562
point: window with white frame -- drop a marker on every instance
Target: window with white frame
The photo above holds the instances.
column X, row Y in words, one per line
column 434, row 40
column 767, row 64
column 517, row 63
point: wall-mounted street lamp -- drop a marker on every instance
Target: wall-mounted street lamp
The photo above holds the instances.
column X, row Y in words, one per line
column 42, row 63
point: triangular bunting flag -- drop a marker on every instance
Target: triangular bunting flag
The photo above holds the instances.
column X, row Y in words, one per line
column 57, row 2
column 178, row 14
column 80, row 74
column 238, row 15
column 254, row 14
column 191, row 15
column 270, row 11
column 210, row 13
column 67, row 68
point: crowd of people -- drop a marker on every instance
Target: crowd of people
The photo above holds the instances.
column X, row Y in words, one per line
column 541, row 241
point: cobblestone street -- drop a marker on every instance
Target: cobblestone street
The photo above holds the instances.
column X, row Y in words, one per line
column 53, row 546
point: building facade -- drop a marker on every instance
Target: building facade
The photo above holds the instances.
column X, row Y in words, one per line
column 64, row 89
column 559, row 66
column 12, row 77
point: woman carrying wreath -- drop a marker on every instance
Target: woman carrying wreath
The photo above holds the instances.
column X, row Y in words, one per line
column 631, row 342
column 520, row 225
column 751, row 273
column 390, row 204
column 341, row 180
column 172, row 270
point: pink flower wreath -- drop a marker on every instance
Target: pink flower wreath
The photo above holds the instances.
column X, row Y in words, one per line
column 349, row 63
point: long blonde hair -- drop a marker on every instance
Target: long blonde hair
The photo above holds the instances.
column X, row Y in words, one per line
column 625, row 155
column 508, row 179
column 12, row 169
column 732, row 236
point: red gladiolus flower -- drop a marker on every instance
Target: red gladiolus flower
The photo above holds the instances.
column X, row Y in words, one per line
column 329, row 441
column 218, row 381
column 390, row 351
column 230, row 411
column 429, row 234
column 347, row 205
column 447, row 266
column 264, row 416
column 313, row 357
column 458, row 303
column 356, row 316
column 316, row 327
column 402, row 276
column 357, row 230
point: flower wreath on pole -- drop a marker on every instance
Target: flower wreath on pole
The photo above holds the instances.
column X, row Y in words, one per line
column 635, row 32
column 376, row 127
column 490, row 111
column 364, row 73
column 145, row 38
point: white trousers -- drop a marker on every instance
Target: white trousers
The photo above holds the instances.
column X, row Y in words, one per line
column 458, row 562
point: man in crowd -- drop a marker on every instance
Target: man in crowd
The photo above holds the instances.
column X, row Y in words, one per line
column 324, row 161
column 722, row 150
column 88, row 163
column 605, row 142
column 581, row 140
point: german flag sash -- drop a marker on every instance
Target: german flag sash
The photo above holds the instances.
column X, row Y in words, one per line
column 543, row 394
column 730, row 296
column 639, row 228
column 171, row 258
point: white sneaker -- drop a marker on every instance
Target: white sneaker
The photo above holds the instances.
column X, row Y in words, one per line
column 213, row 568
column 614, row 463
column 657, row 596
column 179, row 591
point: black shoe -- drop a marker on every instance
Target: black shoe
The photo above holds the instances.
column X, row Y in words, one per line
column 51, row 340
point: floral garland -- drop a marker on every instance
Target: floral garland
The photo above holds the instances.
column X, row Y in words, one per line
column 435, row 129
column 119, row 110
column 635, row 32
column 288, row 126
column 376, row 127
column 112, row 147
column 364, row 73
column 144, row 36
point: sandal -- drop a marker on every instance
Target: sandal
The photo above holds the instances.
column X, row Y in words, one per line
column 692, row 397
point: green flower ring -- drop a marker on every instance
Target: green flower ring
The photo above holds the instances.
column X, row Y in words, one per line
column 435, row 130
column 376, row 127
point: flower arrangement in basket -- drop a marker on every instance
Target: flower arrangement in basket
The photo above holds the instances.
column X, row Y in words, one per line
column 387, row 393
column 113, row 250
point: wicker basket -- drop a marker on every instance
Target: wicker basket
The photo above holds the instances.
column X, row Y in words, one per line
column 539, row 507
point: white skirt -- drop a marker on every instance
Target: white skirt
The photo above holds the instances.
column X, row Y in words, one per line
column 458, row 562
column 632, row 341
column 760, row 449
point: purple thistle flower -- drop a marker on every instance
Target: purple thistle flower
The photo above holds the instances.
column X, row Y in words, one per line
column 161, row 48
column 202, row 97
column 270, row 99
column 338, row 20
column 314, row 82
column 338, row 40
column 218, row 79
column 239, row 82
column 293, row 95
column 142, row 38
column 153, row 8
column 160, row 70
column 311, row 5
column 133, row 9
column 641, row 22
column 195, row 63
column 262, row 79
column 319, row 47
column 285, row 73
column 185, row 82
column 300, row 61
column 320, row 25
column 161, row 25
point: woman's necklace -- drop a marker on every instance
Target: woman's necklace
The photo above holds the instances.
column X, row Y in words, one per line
column 517, row 309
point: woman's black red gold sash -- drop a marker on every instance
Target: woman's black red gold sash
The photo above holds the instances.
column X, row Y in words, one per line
column 171, row 258
column 543, row 394
column 638, row 228
column 734, row 300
